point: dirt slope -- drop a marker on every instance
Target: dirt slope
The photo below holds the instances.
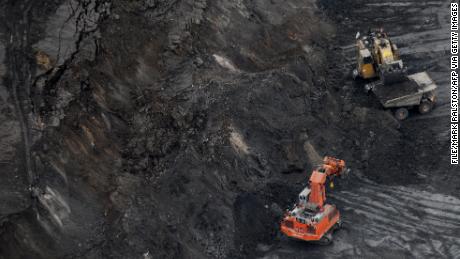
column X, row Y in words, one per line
column 159, row 128
column 183, row 129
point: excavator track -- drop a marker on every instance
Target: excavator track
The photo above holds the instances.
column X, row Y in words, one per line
column 326, row 239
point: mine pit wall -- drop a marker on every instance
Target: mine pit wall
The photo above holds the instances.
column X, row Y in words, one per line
column 55, row 174
column 160, row 128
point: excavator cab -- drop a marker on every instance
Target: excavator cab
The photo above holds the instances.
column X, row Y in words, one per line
column 303, row 202
column 303, row 196
column 365, row 69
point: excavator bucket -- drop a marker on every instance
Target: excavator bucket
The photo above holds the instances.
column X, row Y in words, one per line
column 393, row 73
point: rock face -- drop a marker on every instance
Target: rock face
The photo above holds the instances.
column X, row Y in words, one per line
column 144, row 128
column 166, row 128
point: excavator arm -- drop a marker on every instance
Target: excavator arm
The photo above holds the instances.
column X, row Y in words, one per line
column 330, row 168
column 333, row 166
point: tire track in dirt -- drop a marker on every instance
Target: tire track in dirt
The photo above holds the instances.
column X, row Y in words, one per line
column 387, row 221
column 401, row 218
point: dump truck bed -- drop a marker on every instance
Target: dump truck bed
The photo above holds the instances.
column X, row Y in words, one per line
column 406, row 93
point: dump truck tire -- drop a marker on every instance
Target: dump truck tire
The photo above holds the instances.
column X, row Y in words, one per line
column 425, row 106
column 401, row 114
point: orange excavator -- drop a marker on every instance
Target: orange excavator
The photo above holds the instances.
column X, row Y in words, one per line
column 312, row 219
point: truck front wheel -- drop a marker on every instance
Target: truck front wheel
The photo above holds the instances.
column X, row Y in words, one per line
column 425, row 106
column 401, row 114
